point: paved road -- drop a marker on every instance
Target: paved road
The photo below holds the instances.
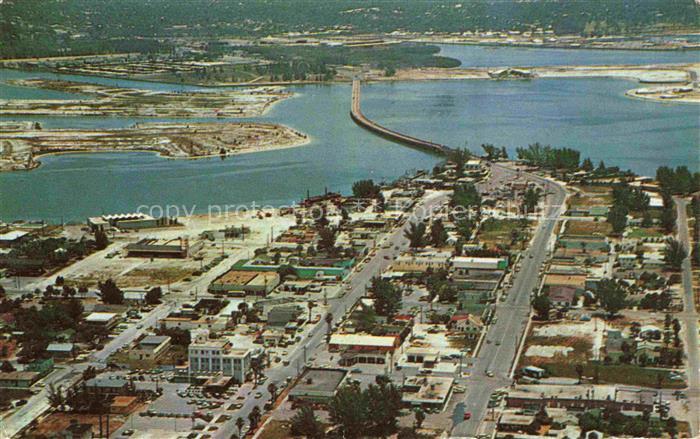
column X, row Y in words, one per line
column 315, row 341
column 498, row 352
column 69, row 374
column 690, row 322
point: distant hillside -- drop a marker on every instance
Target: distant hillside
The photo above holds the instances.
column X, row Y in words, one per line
column 51, row 27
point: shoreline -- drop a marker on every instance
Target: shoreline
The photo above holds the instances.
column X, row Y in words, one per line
column 174, row 141
column 160, row 154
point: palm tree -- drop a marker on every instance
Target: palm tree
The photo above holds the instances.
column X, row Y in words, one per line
column 415, row 235
column 239, row 424
column 310, row 305
column 257, row 367
column 56, row 397
column 329, row 323
column 272, row 388
column 254, row 417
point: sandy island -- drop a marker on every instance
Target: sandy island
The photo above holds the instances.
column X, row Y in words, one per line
column 102, row 100
column 22, row 142
column 669, row 81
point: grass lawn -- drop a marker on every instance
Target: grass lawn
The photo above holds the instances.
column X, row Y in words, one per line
column 650, row 232
column 498, row 231
column 574, row 227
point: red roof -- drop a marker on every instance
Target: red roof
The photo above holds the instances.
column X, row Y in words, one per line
column 404, row 317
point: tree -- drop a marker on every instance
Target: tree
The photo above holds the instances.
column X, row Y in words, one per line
column 612, row 296
column 56, row 397
column 674, row 253
column 579, row 372
column 542, row 304
column 348, row 409
column 532, row 197
column 240, row 423
column 668, row 219
column 305, row 423
column 254, row 417
column 438, row 234
column 329, row 325
column 466, row 196
column 384, row 406
column 286, row 271
column 7, row 367
column 272, row 388
column 101, row 240
column 153, row 296
column 111, row 294
column 617, row 217
column 256, row 365
column 459, row 158
column 387, row 297
column 420, row 417
column 326, row 241
column 415, row 235
column 365, row 189
column 587, row 165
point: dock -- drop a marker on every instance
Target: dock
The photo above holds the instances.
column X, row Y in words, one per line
column 395, row 136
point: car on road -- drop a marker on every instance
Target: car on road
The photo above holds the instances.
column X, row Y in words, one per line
column 489, row 374
column 127, row 432
column 467, row 416
column 258, row 395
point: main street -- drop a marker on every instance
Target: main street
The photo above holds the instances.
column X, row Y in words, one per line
column 356, row 286
column 503, row 338
column 690, row 322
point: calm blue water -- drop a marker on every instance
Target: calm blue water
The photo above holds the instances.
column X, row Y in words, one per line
column 492, row 56
column 589, row 114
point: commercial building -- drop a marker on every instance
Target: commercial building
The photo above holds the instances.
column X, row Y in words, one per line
column 430, row 392
column 464, row 266
column 163, row 248
column 364, row 348
column 245, row 282
column 12, row 238
column 209, row 356
column 128, row 221
column 108, row 386
column 317, row 385
column 470, row 324
column 281, row 315
column 422, row 262
column 107, row 320
column 61, row 350
column 18, row 379
column 581, row 398
column 150, row 347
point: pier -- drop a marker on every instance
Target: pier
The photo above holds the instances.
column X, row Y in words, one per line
column 395, row 136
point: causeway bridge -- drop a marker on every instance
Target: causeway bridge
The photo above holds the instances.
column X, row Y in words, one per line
column 395, row 136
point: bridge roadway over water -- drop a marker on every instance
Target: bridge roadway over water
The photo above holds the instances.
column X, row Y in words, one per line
column 364, row 122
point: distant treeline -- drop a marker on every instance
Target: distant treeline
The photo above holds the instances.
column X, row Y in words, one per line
column 51, row 27
column 296, row 60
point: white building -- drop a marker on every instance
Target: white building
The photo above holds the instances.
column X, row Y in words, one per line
column 208, row 356
column 467, row 266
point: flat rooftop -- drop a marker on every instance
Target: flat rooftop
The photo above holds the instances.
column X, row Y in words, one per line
column 245, row 277
column 100, row 317
column 315, row 380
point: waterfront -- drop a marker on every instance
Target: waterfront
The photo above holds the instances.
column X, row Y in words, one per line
column 592, row 115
